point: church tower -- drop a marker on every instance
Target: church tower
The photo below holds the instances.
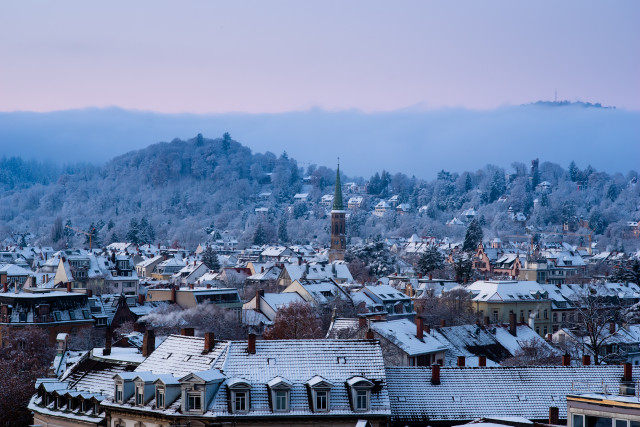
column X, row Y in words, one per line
column 338, row 223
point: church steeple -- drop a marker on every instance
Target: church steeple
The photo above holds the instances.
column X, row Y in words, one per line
column 338, row 223
column 337, row 194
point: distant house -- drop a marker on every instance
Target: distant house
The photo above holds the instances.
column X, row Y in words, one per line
column 381, row 208
column 384, row 302
column 327, row 200
column 355, row 202
column 301, row 197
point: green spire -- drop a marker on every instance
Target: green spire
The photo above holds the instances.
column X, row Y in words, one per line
column 337, row 195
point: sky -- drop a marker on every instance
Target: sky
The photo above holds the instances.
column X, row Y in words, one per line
column 197, row 56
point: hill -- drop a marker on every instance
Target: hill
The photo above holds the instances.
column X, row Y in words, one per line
column 183, row 190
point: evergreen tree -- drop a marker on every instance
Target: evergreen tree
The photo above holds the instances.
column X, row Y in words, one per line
column 498, row 186
column 110, row 225
column 226, row 141
column 199, row 140
column 473, row 237
column 283, row 236
column 260, row 235
column 68, row 232
column 57, row 231
column 134, row 232
column 146, row 233
column 468, row 184
column 612, row 192
column 210, row 259
column 432, row 259
column 92, row 239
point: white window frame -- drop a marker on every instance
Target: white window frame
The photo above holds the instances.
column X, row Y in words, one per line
column 316, row 396
column 236, row 396
column 140, row 395
column 160, row 392
column 194, row 395
column 367, row 396
column 277, row 398
column 119, row 392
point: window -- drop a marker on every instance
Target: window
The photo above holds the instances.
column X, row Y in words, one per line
column 621, row 423
column 362, row 400
column 160, row 398
column 139, row 395
column 194, row 402
column 546, row 315
column 495, row 316
column 240, row 401
column 322, row 400
column 96, row 408
column 282, row 400
column 119, row 393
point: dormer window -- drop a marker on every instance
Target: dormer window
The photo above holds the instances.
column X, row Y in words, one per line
column 280, row 389
column 160, row 398
column 194, row 401
column 320, row 389
column 140, row 395
column 240, row 395
column 119, row 393
column 360, row 389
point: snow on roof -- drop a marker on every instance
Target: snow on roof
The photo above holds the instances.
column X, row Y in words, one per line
column 523, row 334
column 277, row 301
column 181, row 355
column 465, row 394
column 468, row 341
column 510, row 290
column 402, row 333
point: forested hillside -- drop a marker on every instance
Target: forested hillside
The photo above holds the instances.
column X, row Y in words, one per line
column 181, row 191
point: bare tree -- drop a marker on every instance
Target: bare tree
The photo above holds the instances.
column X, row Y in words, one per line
column 298, row 321
column 25, row 356
column 454, row 307
column 533, row 352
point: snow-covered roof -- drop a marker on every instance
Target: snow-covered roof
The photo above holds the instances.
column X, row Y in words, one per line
column 468, row 393
column 402, row 333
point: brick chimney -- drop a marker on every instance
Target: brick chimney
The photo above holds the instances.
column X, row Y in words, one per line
column 107, row 342
column 419, row 328
column 512, row 324
column 427, row 329
column 612, row 328
column 628, row 372
column 362, row 322
column 566, row 359
column 68, row 286
column 187, row 332
column 461, row 361
column 435, row 374
column 173, row 295
column 482, row 361
column 443, row 323
column 369, row 335
column 191, row 286
column 209, row 341
column 141, row 299
column 89, row 293
column 554, row 415
column 251, row 344
column 430, row 276
column 586, row 360
column 5, row 287
column 148, row 343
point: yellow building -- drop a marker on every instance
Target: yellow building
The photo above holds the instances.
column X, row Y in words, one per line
column 494, row 301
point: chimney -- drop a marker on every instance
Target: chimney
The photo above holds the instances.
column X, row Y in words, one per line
column 612, row 328
column 191, row 286
column 251, row 344
column 419, row 275
column 482, row 361
column 262, row 269
column 566, row 359
column 362, row 322
column 430, row 276
column 628, row 372
column 141, row 299
column 299, row 260
column 586, row 360
column 89, row 293
column 443, row 323
column 5, row 287
column 427, row 329
column 186, row 332
column 512, row 324
column 486, row 321
column 208, row 285
column 68, row 286
column 209, row 341
column 419, row 328
column 3, row 279
column 259, row 294
column 369, row 335
column 554, row 415
column 148, row 343
column 435, row 374
column 461, row 361
column 107, row 342
column 173, row 295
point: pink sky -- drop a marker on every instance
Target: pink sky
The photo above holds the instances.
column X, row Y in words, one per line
column 273, row 56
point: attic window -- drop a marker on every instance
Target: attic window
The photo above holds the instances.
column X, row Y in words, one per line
column 186, row 359
column 168, row 355
column 271, row 361
column 342, row 360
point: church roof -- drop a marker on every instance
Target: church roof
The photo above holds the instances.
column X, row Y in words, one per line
column 338, row 205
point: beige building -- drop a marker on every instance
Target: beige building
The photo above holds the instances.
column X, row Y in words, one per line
column 494, row 301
